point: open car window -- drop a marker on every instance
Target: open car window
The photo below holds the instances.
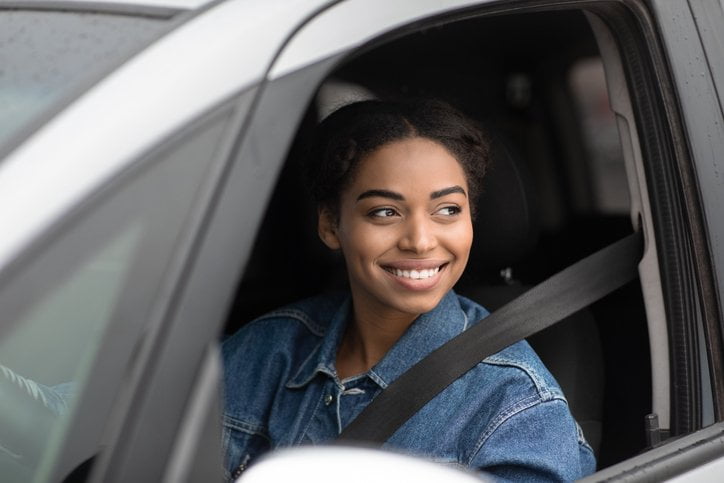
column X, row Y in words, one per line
column 564, row 92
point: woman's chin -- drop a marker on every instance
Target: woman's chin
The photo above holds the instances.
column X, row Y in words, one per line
column 417, row 304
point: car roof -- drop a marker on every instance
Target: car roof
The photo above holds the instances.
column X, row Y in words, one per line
column 127, row 5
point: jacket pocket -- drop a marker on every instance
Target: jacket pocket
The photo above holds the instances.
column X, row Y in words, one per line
column 243, row 443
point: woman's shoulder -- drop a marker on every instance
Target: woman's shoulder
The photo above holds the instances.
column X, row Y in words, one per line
column 306, row 320
column 517, row 363
column 267, row 351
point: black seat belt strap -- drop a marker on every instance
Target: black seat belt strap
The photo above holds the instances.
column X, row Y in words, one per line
column 566, row 292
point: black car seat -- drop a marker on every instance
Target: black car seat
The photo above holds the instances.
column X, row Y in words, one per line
column 288, row 262
column 505, row 231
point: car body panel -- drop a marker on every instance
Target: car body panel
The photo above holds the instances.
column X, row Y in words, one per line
column 319, row 38
column 209, row 282
column 174, row 82
column 701, row 107
column 706, row 473
column 120, row 5
column 676, row 457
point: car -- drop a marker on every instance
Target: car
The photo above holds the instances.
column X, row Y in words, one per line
column 151, row 205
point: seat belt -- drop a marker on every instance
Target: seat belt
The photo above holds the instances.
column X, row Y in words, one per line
column 554, row 299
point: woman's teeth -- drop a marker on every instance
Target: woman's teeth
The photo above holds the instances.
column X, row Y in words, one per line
column 414, row 274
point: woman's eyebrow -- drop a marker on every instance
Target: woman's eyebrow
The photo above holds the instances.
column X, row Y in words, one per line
column 382, row 194
column 447, row 191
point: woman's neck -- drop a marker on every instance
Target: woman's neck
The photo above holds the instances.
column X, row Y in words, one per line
column 369, row 336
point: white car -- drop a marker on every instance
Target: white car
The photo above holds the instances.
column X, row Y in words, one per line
column 151, row 203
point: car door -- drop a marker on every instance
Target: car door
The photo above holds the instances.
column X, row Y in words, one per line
column 108, row 191
column 680, row 269
column 680, row 263
column 690, row 33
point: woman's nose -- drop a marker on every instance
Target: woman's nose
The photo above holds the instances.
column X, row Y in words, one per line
column 418, row 236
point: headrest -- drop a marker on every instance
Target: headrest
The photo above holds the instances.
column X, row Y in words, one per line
column 506, row 226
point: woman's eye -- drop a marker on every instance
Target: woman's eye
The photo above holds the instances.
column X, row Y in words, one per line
column 449, row 211
column 383, row 213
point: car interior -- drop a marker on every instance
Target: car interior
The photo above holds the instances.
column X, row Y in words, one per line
column 555, row 192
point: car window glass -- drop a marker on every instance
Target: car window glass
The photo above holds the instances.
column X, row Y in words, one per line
column 87, row 297
column 46, row 55
column 75, row 306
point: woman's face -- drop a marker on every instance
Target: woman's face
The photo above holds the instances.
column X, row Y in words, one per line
column 404, row 227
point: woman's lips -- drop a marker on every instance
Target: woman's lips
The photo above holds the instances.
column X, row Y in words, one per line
column 415, row 275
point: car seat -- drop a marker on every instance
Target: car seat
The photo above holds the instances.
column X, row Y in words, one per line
column 505, row 231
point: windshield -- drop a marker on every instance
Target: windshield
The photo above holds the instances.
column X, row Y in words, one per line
column 49, row 57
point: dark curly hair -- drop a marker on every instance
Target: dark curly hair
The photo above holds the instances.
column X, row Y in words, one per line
column 354, row 131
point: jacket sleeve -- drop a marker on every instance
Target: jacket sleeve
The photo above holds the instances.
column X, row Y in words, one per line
column 19, row 390
column 541, row 442
column 30, row 411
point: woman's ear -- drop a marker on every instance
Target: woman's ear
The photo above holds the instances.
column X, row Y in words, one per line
column 327, row 228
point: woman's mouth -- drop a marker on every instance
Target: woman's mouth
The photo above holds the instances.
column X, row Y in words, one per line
column 414, row 274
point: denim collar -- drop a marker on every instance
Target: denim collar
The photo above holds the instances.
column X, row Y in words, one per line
column 427, row 333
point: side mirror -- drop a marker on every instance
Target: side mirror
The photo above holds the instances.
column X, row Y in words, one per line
column 354, row 465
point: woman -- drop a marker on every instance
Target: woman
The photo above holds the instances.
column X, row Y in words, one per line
column 396, row 185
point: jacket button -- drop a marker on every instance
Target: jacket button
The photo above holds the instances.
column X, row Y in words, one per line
column 328, row 399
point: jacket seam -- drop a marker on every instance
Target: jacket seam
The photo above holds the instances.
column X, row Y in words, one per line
column 303, row 433
column 505, row 415
column 297, row 315
column 246, row 427
column 292, row 382
column 542, row 388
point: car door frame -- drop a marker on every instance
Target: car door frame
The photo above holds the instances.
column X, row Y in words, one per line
column 289, row 86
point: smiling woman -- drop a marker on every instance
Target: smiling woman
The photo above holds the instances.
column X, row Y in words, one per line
column 405, row 231
column 395, row 185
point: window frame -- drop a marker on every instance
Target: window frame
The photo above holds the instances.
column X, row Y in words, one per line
column 664, row 142
column 678, row 209
column 144, row 356
column 252, row 175
column 122, row 352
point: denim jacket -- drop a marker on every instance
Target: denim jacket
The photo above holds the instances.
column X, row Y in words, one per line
column 507, row 417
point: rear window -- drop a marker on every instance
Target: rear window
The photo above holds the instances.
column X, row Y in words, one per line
column 49, row 57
